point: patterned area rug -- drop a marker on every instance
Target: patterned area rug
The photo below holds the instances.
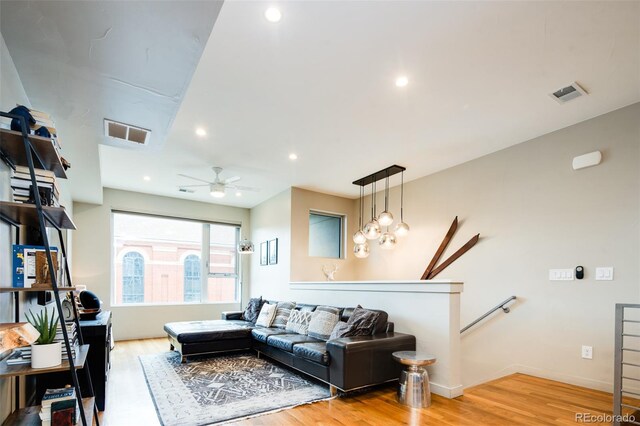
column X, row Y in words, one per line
column 223, row 388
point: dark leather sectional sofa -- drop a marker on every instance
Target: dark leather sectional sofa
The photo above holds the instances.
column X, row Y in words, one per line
column 346, row 363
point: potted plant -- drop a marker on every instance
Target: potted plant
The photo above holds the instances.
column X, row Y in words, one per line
column 45, row 352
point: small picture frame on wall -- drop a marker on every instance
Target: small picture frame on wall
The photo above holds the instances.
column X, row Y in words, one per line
column 264, row 253
column 273, row 252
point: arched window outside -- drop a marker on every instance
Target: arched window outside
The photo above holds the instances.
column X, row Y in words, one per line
column 192, row 285
column 133, row 278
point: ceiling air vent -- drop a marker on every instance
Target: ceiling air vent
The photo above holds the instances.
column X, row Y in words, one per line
column 186, row 190
column 568, row 93
column 126, row 132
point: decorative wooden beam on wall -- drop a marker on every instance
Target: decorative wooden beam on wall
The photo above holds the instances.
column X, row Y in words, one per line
column 432, row 270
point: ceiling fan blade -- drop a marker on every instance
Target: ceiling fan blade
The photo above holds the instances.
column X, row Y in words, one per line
column 231, row 180
column 244, row 188
column 191, row 177
column 193, row 186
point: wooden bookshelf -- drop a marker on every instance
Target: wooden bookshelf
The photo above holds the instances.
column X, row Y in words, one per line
column 23, row 213
column 29, row 416
column 26, row 370
column 34, row 289
column 12, row 146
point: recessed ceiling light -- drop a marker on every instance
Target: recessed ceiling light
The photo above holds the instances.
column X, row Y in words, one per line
column 293, row 156
column 147, row 178
column 273, row 14
column 402, row 81
column 238, row 194
column 201, row 132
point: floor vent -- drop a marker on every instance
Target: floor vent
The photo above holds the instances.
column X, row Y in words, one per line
column 126, row 132
column 569, row 93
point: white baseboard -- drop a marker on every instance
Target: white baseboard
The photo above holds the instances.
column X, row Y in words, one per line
column 546, row 374
column 445, row 391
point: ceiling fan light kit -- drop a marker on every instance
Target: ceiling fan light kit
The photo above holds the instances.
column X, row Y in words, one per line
column 218, row 187
column 372, row 230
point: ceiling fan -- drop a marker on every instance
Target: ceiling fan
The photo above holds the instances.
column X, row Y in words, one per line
column 218, row 186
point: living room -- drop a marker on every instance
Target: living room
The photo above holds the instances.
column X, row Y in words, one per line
column 458, row 179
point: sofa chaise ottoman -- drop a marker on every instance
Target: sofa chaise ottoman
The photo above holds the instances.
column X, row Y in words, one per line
column 346, row 363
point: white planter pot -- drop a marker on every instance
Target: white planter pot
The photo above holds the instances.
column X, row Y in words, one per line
column 45, row 356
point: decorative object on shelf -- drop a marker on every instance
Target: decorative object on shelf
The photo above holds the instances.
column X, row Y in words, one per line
column 329, row 272
column 273, row 252
column 67, row 310
column 45, row 352
column 264, row 253
column 245, row 246
column 17, row 334
column 91, row 305
column 432, row 270
column 387, row 239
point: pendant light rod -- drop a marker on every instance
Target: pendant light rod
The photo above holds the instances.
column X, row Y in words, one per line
column 386, row 194
column 402, row 197
column 360, row 209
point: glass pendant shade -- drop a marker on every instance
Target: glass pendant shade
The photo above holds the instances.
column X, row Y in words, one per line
column 402, row 229
column 385, row 218
column 372, row 230
column 359, row 237
column 245, row 246
column 361, row 250
column 387, row 241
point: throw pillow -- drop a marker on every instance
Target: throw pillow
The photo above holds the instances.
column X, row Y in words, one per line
column 267, row 314
column 299, row 321
column 362, row 322
column 283, row 310
column 252, row 310
column 338, row 330
column 323, row 319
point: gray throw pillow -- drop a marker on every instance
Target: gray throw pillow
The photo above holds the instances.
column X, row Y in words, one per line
column 323, row 320
column 283, row 311
column 299, row 321
column 338, row 330
column 362, row 322
column 252, row 310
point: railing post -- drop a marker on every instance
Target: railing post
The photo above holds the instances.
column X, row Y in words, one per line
column 617, row 368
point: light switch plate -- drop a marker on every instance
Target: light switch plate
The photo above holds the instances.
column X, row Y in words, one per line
column 587, row 352
column 604, row 273
column 560, row 274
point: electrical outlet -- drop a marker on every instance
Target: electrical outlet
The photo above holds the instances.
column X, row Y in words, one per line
column 587, row 352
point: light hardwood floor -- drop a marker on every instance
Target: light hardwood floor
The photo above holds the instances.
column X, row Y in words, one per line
column 513, row 400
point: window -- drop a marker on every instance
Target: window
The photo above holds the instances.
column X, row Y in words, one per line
column 167, row 260
column 132, row 278
column 325, row 235
column 192, row 284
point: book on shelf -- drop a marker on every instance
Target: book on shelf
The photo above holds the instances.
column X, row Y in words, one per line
column 19, row 356
column 31, row 269
column 59, row 407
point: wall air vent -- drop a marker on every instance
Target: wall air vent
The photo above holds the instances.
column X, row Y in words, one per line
column 568, row 93
column 136, row 136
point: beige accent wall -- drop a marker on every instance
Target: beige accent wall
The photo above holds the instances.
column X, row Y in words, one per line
column 534, row 213
column 92, row 264
column 304, row 267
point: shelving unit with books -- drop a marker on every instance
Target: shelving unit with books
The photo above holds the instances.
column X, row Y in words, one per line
column 23, row 152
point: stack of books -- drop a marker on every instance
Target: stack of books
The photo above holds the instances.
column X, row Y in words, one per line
column 44, row 120
column 59, row 407
column 47, row 186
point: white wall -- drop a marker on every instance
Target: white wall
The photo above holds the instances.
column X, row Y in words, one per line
column 92, row 258
column 534, row 213
column 272, row 219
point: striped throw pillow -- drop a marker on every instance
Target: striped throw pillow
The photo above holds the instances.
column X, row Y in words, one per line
column 283, row 311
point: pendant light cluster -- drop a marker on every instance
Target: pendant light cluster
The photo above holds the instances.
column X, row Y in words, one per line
column 378, row 227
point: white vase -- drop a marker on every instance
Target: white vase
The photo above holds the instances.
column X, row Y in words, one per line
column 45, row 356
